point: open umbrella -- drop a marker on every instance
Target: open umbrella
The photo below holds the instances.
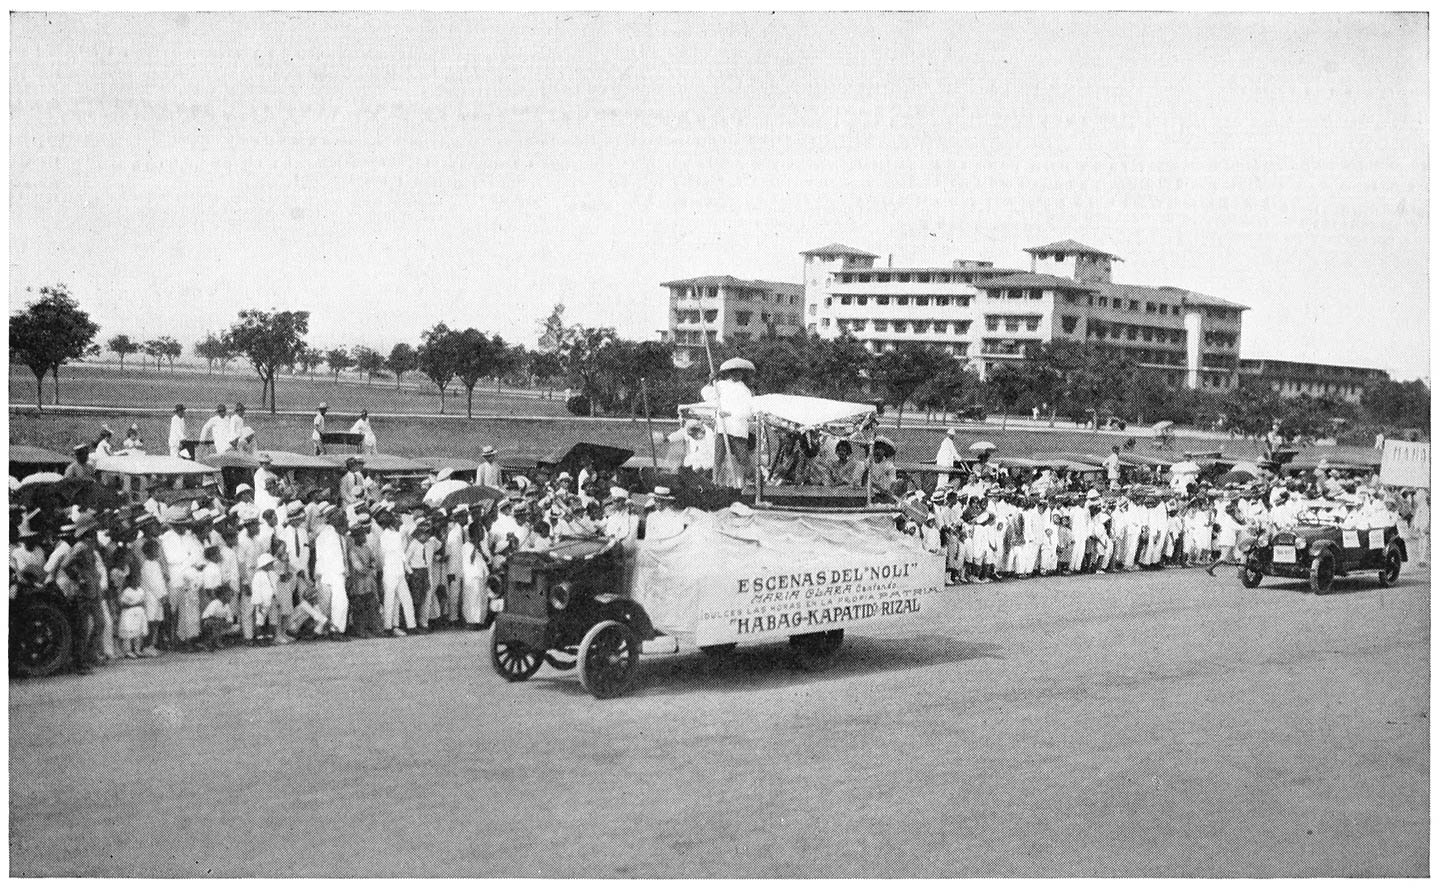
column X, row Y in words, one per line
column 1162, row 425
column 1235, row 476
column 1185, row 467
column 980, row 446
column 472, row 494
column 82, row 492
column 441, row 489
column 41, row 478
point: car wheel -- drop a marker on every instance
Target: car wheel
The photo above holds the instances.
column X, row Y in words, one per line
column 39, row 640
column 816, row 651
column 512, row 660
column 607, row 659
column 1391, row 571
column 1322, row 574
column 1250, row 576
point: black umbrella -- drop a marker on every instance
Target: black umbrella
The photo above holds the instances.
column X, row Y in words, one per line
column 606, row 457
column 1237, row 476
column 469, row 496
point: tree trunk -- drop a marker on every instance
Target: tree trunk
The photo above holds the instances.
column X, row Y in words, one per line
column 122, row 360
column 469, row 400
column 39, row 389
column 55, row 380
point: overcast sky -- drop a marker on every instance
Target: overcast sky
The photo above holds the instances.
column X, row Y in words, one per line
column 391, row 170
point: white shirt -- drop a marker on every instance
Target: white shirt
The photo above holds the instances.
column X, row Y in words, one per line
column 1112, row 466
column 177, row 434
column 329, row 554
column 362, row 427
column 732, row 402
column 262, row 588
column 318, row 424
column 237, row 425
column 662, row 524
column 217, row 429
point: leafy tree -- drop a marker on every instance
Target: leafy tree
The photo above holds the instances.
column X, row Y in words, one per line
column 338, row 359
column 309, row 358
column 438, row 357
column 476, row 357
column 1398, row 405
column 577, row 349
column 618, row 367
column 553, row 331
column 903, row 370
column 402, row 360
column 269, row 340
column 51, row 331
column 545, row 367
column 515, row 367
column 164, row 348
column 955, row 385
column 838, row 367
column 782, row 364
column 1007, row 383
column 122, row 345
column 368, row 361
column 214, row 351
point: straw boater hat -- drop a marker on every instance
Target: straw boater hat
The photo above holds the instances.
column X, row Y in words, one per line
column 737, row 364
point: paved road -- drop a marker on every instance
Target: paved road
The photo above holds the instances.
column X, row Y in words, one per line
column 1140, row 725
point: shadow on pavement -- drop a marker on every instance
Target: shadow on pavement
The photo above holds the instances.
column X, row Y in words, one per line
column 762, row 666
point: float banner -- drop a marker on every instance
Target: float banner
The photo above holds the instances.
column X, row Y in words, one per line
column 1405, row 464
column 769, row 575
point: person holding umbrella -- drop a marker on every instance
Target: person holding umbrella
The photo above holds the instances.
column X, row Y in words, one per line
column 730, row 395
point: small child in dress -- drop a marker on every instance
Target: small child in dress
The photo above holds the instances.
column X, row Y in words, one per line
column 152, row 583
column 216, row 620
column 132, row 617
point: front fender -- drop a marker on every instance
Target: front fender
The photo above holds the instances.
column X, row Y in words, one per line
column 1400, row 544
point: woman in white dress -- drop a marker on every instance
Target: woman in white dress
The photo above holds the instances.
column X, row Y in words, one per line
column 475, row 574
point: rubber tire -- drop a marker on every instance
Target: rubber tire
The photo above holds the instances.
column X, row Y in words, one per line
column 1249, row 577
column 1391, row 573
column 816, row 651
column 1322, row 574
column 607, row 659
column 40, row 640
column 513, row 661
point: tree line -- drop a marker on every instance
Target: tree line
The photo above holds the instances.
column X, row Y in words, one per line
column 609, row 375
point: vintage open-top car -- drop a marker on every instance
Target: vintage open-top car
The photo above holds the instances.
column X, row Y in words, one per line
column 1319, row 549
column 767, row 573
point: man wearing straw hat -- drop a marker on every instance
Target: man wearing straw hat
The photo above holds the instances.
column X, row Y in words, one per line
column 730, row 395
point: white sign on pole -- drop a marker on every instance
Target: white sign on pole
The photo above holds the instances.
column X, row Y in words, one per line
column 1405, row 464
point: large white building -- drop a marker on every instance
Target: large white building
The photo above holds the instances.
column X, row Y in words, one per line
column 988, row 315
column 724, row 308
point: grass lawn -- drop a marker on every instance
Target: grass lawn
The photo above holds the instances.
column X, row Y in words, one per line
column 98, row 385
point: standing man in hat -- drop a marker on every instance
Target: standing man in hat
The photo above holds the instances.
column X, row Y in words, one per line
column 946, row 458
column 367, row 434
column 80, row 466
column 489, row 471
column 177, row 430
column 238, row 428
column 217, row 429
column 730, row 395
column 317, row 424
column 1112, row 467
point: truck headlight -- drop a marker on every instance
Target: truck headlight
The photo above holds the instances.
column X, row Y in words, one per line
column 560, row 596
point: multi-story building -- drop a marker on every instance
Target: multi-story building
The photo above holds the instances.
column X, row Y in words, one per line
column 728, row 309
column 1290, row 379
column 989, row 315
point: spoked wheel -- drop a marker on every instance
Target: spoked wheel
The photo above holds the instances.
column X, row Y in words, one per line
column 1250, row 576
column 815, row 651
column 39, row 639
column 512, row 660
column 1391, row 571
column 716, row 651
column 1322, row 574
column 608, row 655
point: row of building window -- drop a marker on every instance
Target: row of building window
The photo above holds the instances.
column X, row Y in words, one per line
column 1013, row 323
column 743, row 318
column 1016, row 294
column 693, row 337
column 879, row 325
column 736, row 294
column 1101, row 330
column 1220, row 340
column 920, row 301
column 693, row 317
column 958, row 349
column 909, row 277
